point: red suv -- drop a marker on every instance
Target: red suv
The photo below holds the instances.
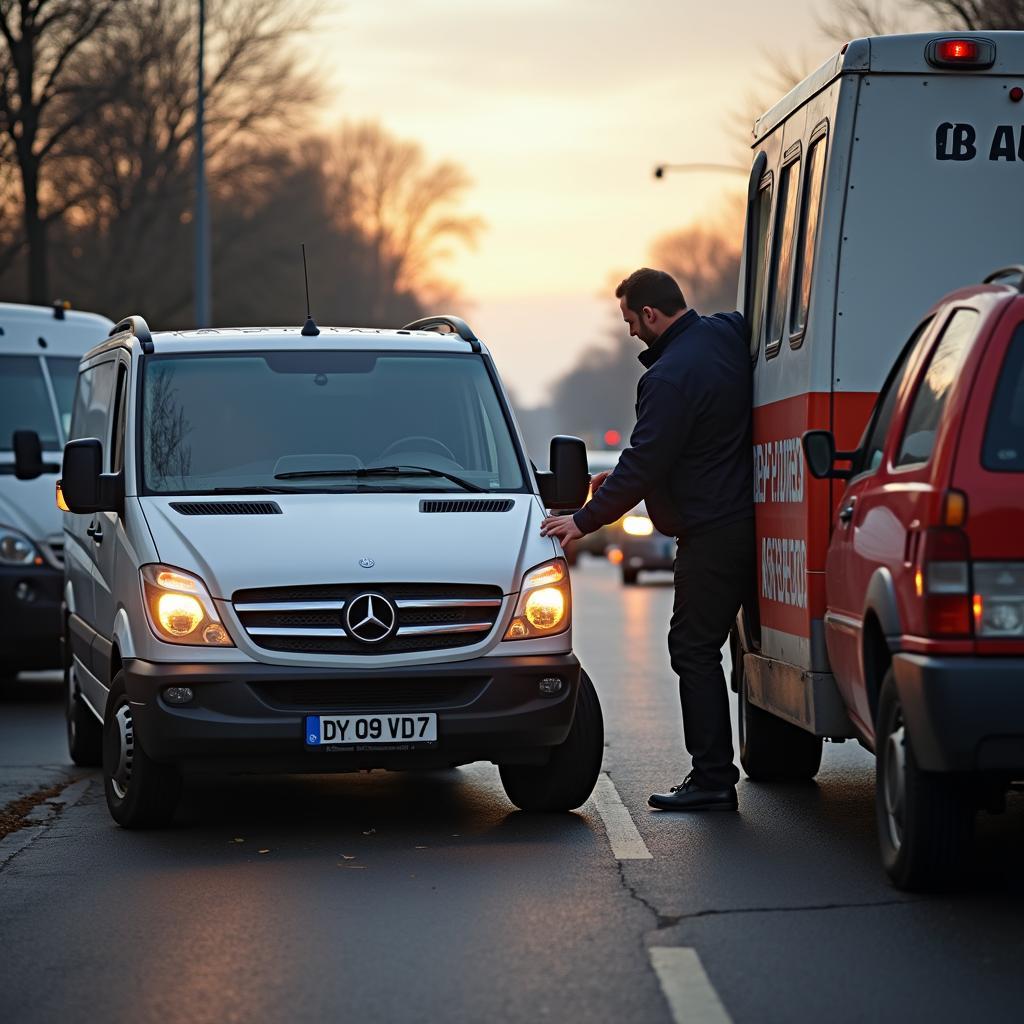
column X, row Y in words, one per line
column 925, row 578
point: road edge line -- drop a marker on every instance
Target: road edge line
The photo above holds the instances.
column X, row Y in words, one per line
column 626, row 841
column 686, row 986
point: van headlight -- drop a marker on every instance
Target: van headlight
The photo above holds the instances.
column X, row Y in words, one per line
column 545, row 602
column 180, row 609
column 17, row 549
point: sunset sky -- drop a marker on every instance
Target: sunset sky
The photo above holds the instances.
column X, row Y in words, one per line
column 559, row 110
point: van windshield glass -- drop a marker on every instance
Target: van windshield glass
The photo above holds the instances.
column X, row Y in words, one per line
column 25, row 401
column 1004, row 437
column 64, row 376
column 289, row 420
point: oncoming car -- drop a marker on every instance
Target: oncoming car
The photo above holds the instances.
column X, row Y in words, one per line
column 315, row 552
column 635, row 545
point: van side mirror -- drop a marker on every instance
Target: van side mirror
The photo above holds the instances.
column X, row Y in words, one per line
column 566, row 485
column 820, row 452
column 86, row 488
column 28, row 455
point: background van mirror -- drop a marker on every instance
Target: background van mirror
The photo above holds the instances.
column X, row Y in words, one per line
column 28, row 455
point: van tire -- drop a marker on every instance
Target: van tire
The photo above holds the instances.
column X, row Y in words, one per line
column 773, row 750
column 925, row 819
column 85, row 733
column 569, row 777
column 141, row 792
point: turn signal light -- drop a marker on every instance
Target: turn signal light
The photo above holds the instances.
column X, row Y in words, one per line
column 61, row 503
column 180, row 608
column 543, row 608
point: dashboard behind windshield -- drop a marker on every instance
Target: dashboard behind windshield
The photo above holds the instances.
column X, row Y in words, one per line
column 254, row 420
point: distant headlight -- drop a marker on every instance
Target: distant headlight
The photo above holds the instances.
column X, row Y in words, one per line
column 180, row 609
column 638, row 526
column 17, row 549
column 544, row 602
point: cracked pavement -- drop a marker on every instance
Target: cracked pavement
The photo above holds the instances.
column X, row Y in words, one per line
column 408, row 898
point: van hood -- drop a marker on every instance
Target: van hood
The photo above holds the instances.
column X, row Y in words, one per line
column 321, row 538
column 31, row 507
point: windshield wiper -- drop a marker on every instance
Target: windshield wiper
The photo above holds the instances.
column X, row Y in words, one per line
column 366, row 471
column 257, row 489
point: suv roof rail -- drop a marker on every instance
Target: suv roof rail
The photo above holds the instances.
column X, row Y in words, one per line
column 444, row 324
column 137, row 327
column 1014, row 270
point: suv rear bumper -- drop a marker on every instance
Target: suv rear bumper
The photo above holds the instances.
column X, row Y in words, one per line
column 250, row 717
column 963, row 714
column 30, row 625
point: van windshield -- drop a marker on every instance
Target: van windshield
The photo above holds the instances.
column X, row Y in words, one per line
column 1004, row 437
column 290, row 420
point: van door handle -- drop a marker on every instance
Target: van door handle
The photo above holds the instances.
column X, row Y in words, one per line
column 846, row 512
column 95, row 531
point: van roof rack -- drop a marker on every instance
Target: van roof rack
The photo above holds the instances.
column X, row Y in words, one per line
column 444, row 324
column 1014, row 270
column 137, row 327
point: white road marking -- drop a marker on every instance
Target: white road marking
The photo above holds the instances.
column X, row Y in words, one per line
column 626, row 841
column 688, row 991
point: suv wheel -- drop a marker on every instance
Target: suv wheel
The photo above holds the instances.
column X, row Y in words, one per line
column 925, row 819
column 85, row 733
column 773, row 750
column 141, row 793
column 569, row 777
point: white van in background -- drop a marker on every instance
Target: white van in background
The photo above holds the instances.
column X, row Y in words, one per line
column 891, row 176
column 40, row 348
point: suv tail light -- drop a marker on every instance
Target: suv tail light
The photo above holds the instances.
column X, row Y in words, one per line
column 999, row 599
column 943, row 579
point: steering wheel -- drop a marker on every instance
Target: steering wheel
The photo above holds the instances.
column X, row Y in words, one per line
column 411, row 444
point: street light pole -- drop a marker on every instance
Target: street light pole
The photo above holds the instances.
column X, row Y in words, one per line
column 202, row 213
column 659, row 171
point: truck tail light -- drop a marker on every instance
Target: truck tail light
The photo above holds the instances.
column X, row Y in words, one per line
column 999, row 599
column 942, row 579
column 967, row 54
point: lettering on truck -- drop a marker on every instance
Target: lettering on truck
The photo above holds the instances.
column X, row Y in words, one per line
column 779, row 471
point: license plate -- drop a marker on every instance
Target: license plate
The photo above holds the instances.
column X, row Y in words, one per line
column 358, row 730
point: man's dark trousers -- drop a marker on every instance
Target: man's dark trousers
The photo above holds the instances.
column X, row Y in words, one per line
column 712, row 576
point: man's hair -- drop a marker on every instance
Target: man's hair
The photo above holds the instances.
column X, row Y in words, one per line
column 654, row 288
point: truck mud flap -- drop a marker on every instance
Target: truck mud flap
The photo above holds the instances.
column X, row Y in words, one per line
column 810, row 700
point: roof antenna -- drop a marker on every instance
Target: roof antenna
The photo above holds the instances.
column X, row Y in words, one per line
column 309, row 328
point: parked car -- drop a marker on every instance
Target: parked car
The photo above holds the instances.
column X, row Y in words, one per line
column 40, row 347
column 636, row 546
column 316, row 552
column 924, row 582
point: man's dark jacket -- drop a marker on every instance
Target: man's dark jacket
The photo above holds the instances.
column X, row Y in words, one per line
column 689, row 456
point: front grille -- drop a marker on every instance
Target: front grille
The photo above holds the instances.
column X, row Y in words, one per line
column 311, row 619
column 371, row 694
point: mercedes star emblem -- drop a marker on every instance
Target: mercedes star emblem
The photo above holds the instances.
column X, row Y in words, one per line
column 370, row 618
column 366, row 563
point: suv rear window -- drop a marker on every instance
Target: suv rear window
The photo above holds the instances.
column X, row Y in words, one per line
column 1003, row 450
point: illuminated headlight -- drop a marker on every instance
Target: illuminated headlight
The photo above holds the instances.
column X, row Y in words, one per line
column 544, row 603
column 638, row 526
column 999, row 599
column 180, row 609
column 17, row 549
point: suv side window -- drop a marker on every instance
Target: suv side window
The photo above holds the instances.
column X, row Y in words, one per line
column 92, row 402
column 115, row 456
column 782, row 256
column 930, row 400
column 1004, row 435
column 761, row 220
column 885, row 406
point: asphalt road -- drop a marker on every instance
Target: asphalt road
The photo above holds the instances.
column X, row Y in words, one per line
column 428, row 898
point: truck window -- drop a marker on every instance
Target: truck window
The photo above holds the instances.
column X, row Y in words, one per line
column 25, row 401
column 930, row 400
column 63, row 375
column 1003, row 450
column 810, row 212
column 782, row 256
column 761, row 220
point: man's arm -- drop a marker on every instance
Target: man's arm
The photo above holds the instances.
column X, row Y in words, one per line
column 665, row 416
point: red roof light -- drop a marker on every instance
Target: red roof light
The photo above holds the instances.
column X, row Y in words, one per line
column 958, row 49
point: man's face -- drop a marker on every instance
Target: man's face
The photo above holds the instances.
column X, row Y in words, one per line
column 639, row 324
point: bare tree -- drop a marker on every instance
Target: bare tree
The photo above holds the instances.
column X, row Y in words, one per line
column 48, row 92
column 850, row 19
column 406, row 207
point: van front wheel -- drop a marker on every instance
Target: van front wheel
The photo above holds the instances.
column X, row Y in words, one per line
column 141, row 792
column 569, row 777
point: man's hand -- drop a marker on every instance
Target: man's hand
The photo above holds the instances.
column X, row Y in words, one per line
column 597, row 479
column 562, row 528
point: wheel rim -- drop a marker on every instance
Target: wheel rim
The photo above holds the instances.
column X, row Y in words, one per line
column 895, row 788
column 122, row 776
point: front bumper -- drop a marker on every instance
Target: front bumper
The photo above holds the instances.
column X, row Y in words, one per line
column 30, row 624
column 250, row 717
column 963, row 714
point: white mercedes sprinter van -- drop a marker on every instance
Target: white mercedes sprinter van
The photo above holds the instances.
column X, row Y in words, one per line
column 40, row 348
column 316, row 551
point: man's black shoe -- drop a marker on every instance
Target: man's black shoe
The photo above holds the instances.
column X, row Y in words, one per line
column 690, row 797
